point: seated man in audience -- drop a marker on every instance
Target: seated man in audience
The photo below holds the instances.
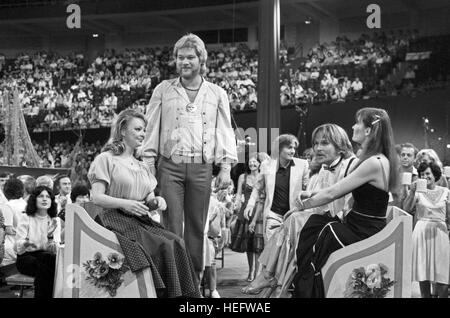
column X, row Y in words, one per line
column 64, row 186
column 407, row 153
column 29, row 184
column 80, row 194
column 44, row 181
column 357, row 87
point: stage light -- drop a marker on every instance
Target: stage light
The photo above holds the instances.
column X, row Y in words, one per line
column 432, row 130
column 308, row 21
column 448, row 146
column 426, row 120
column 439, row 138
column 95, row 35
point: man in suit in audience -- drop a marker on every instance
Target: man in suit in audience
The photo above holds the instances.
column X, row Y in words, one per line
column 282, row 178
column 407, row 153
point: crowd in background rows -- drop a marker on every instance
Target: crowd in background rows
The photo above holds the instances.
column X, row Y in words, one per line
column 70, row 92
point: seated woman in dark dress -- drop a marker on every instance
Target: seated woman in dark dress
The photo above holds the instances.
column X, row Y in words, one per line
column 124, row 187
column 369, row 182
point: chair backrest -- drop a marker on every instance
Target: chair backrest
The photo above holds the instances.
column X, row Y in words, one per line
column 391, row 247
column 84, row 239
column 92, row 209
column 394, row 212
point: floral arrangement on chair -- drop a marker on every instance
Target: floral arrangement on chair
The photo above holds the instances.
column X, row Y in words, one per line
column 369, row 282
column 106, row 274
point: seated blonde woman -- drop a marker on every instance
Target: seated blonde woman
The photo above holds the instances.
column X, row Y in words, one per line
column 124, row 187
column 333, row 152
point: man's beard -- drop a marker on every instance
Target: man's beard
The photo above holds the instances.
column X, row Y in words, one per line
column 193, row 73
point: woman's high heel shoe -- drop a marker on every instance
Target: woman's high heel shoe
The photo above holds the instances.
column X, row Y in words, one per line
column 255, row 290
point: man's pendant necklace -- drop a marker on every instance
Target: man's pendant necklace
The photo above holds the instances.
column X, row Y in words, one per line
column 190, row 89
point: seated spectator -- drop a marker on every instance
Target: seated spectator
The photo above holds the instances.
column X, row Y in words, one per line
column 410, row 74
column 29, row 184
column 315, row 74
column 64, row 186
column 341, row 93
column 357, row 87
column 45, row 181
column 36, row 249
column 14, row 192
column 80, row 194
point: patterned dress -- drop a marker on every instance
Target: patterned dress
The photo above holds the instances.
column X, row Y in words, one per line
column 242, row 240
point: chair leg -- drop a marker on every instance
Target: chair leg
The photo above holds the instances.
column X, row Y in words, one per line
column 223, row 258
column 21, row 291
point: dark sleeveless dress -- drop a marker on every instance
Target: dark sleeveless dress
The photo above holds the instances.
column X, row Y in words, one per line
column 242, row 240
column 322, row 235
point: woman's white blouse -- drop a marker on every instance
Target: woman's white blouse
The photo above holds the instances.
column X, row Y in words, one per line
column 35, row 228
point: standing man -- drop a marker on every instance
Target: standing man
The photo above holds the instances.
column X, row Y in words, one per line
column 189, row 128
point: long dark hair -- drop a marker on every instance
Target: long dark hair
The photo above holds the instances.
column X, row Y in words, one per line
column 380, row 140
column 31, row 208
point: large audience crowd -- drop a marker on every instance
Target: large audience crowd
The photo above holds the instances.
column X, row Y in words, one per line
column 69, row 92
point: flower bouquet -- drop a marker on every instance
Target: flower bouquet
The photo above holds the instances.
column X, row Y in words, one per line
column 368, row 282
column 106, row 274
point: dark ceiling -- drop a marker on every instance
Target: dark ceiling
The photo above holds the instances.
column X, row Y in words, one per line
column 48, row 17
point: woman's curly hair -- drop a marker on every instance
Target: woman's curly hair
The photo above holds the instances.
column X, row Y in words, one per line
column 31, row 208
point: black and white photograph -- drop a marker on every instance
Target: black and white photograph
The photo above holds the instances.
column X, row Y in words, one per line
column 243, row 150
